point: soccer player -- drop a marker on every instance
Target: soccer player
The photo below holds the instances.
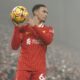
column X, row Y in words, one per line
column 33, row 38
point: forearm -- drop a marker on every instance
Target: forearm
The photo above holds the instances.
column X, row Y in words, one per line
column 46, row 34
column 16, row 39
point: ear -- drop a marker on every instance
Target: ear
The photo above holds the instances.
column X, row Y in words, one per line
column 36, row 12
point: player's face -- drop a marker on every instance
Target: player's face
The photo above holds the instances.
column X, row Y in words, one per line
column 42, row 13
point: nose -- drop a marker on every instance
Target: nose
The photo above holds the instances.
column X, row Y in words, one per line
column 46, row 15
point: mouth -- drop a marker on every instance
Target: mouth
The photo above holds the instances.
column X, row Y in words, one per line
column 44, row 18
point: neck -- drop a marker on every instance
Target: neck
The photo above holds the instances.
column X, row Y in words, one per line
column 35, row 18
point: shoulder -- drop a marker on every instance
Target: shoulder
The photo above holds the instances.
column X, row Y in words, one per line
column 50, row 28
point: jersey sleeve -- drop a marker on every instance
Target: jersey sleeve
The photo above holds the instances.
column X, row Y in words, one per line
column 46, row 34
column 16, row 38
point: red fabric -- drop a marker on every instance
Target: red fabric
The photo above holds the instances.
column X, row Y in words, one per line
column 29, row 75
column 44, row 33
column 22, row 75
column 33, row 42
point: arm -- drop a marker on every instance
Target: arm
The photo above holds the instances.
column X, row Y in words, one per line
column 45, row 33
column 16, row 39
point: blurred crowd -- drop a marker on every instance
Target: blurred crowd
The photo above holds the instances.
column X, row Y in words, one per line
column 61, row 63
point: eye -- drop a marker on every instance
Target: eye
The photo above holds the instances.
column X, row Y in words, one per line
column 45, row 11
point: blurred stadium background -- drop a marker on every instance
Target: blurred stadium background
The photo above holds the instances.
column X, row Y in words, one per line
column 63, row 55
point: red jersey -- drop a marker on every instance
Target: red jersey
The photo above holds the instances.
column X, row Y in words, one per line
column 33, row 42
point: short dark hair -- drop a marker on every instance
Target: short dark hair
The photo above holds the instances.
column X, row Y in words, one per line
column 37, row 6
